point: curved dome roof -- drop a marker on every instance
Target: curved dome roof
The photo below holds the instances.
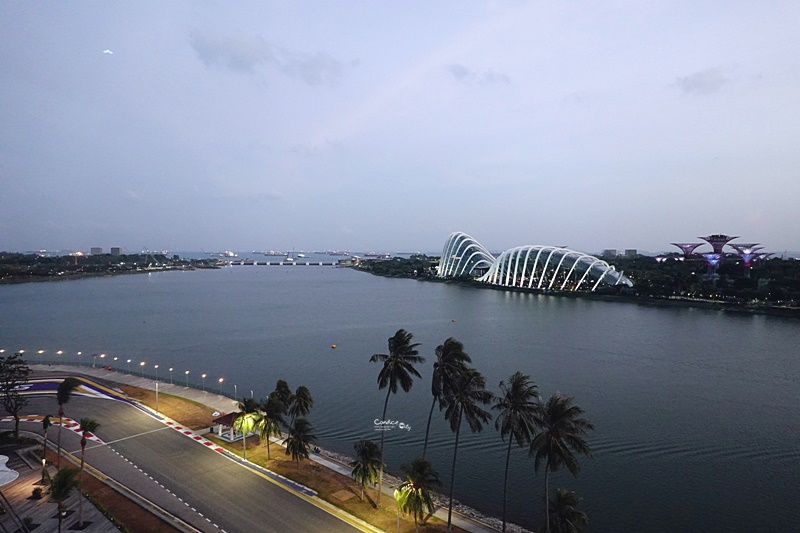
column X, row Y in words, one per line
column 531, row 266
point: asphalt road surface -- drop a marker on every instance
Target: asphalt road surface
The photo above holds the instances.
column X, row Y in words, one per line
column 208, row 490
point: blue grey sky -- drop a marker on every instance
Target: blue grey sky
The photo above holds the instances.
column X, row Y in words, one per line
column 388, row 125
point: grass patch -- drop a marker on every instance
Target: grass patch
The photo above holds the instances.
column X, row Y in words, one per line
column 191, row 414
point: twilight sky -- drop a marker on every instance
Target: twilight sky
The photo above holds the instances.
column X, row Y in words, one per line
column 388, row 125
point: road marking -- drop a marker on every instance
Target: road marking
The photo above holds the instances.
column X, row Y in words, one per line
column 137, row 435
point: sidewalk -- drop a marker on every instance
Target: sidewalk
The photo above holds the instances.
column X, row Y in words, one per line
column 223, row 404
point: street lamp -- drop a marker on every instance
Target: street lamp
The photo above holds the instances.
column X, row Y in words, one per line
column 170, row 375
column 156, row 396
column 220, row 384
column 187, row 379
column 156, row 367
column 141, row 367
column 204, row 382
column 102, row 356
column 129, row 366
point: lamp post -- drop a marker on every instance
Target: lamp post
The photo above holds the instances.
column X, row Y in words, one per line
column 141, row 368
column 102, row 356
column 170, row 375
column 156, row 396
column 251, row 394
column 94, row 359
column 235, row 393
column 129, row 366
column 156, row 367
column 187, row 379
column 220, row 386
column 204, row 382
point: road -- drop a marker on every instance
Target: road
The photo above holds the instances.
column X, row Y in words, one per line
column 225, row 495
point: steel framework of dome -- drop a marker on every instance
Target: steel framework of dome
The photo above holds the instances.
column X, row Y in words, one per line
column 531, row 267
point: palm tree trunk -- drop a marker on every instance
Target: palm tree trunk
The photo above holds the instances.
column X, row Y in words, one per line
column 244, row 445
column 453, row 474
column 383, row 434
column 80, row 494
column 60, row 427
column 428, row 429
column 16, row 427
column 268, row 457
column 547, row 496
column 505, row 482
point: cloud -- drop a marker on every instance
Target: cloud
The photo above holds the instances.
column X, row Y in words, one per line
column 244, row 54
column 704, row 82
column 240, row 55
column 466, row 75
column 314, row 69
column 132, row 196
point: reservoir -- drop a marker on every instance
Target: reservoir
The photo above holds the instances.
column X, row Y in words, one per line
column 695, row 411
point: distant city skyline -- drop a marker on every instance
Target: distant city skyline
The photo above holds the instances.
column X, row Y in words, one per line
column 187, row 126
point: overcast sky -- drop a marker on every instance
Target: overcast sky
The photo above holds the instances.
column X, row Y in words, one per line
column 389, row 125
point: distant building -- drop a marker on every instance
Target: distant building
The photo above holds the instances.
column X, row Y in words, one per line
column 116, row 250
column 609, row 254
column 96, row 250
column 631, row 253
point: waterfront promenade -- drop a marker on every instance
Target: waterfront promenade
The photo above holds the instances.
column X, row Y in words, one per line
column 223, row 404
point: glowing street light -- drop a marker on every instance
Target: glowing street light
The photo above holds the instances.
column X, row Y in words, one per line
column 220, row 384
column 59, row 352
column 129, row 366
column 40, row 352
column 204, row 382
column 187, row 379
column 170, row 375
column 141, row 367
column 156, row 367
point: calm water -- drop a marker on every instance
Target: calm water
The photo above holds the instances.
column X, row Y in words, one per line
column 696, row 412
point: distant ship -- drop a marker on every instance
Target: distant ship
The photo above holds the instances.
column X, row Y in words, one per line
column 272, row 253
column 226, row 253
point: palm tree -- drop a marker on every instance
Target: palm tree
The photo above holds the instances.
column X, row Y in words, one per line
column 563, row 513
column 561, row 436
column 299, row 440
column 46, row 423
column 368, row 462
column 469, row 390
column 61, row 487
column 450, row 361
column 88, row 426
column 398, row 367
column 283, row 393
column 415, row 494
column 63, row 394
column 246, row 419
column 300, row 403
column 268, row 425
column 517, row 418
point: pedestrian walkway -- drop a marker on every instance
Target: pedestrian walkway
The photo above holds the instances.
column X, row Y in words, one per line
column 42, row 512
column 223, row 404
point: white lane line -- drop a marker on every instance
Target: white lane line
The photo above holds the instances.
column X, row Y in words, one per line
column 137, row 435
